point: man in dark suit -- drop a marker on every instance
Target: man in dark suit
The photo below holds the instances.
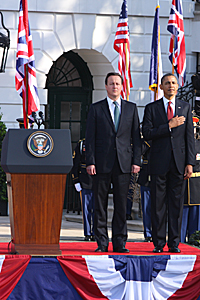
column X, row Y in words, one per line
column 168, row 123
column 113, row 151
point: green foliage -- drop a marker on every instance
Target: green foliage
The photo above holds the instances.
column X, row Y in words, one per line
column 3, row 187
column 195, row 238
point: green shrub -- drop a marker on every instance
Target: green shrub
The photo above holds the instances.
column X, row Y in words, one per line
column 195, row 238
column 3, row 187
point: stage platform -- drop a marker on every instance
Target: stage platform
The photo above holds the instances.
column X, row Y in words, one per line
column 80, row 273
column 88, row 248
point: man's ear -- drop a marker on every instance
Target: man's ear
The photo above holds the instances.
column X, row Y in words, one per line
column 161, row 87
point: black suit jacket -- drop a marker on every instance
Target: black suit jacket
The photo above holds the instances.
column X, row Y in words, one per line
column 143, row 178
column 78, row 171
column 103, row 143
column 179, row 139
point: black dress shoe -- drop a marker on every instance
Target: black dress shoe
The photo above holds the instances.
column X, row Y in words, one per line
column 92, row 238
column 158, row 249
column 174, row 250
column 128, row 217
column 121, row 250
column 102, row 249
column 87, row 238
column 148, row 239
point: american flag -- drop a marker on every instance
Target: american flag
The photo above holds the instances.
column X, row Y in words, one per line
column 156, row 61
column 25, row 57
column 177, row 53
column 122, row 46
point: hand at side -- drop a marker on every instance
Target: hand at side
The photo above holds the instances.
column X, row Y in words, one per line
column 91, row 170
column 188, row 171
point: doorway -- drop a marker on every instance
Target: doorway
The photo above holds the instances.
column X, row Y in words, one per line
column 70, row 85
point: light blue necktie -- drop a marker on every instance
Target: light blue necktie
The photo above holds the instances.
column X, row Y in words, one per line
column 116, row 115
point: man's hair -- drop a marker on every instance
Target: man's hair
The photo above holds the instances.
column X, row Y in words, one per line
column 113, row 74
column 168, row 74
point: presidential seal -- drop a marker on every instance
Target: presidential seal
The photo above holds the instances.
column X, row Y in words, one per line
column 40, row 144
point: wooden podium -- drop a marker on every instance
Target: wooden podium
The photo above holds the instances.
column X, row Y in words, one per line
column 36, row 163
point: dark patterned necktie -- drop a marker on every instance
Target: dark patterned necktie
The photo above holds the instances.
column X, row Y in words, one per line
column 170, row 113
column 116, row 115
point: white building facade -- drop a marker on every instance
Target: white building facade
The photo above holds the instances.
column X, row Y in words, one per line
column 86, row 29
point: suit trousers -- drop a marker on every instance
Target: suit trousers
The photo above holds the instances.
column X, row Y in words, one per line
column 87, row 201
column 101, row 184
column 167, row 197
column 146, row 209
column 129, row 206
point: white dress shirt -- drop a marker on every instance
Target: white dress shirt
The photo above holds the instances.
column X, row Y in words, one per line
column 112, row 106
column 165, row 101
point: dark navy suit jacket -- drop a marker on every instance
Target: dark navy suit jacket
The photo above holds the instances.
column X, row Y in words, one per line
column 180, row 140
column 103, row 143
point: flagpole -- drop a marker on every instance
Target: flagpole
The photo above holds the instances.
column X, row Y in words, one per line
column 127, row 85
column 158, row 61
column 173, row 55
column 26, row 25
column 156, row 89
column 26, row 76
column 155, row 92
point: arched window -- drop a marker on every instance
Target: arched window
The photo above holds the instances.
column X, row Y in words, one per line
column 69, row 84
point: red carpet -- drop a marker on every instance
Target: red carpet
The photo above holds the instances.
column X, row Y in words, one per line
column 87, row 248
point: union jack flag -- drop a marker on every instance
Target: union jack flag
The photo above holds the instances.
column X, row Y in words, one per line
column 122, row 46
column 25, row 59
column 177, row 53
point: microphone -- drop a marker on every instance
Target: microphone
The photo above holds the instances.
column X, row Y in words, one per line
column 41, row 115
column 34, row 116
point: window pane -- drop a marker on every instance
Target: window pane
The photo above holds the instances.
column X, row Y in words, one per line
column 76, row 111
column 64, row 125
column 63, row 73
column 75, row 82
column 75, row 132
column 65, row 111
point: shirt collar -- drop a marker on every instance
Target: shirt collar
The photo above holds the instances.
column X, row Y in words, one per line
column 165, row 100
column 110, row 101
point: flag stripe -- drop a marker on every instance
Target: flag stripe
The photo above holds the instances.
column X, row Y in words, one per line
column 122, row 46
column 191, row 287
column 12, row 269
column 81, row 279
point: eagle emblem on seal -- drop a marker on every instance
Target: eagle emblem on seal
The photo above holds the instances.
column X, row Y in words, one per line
column 40, row 144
